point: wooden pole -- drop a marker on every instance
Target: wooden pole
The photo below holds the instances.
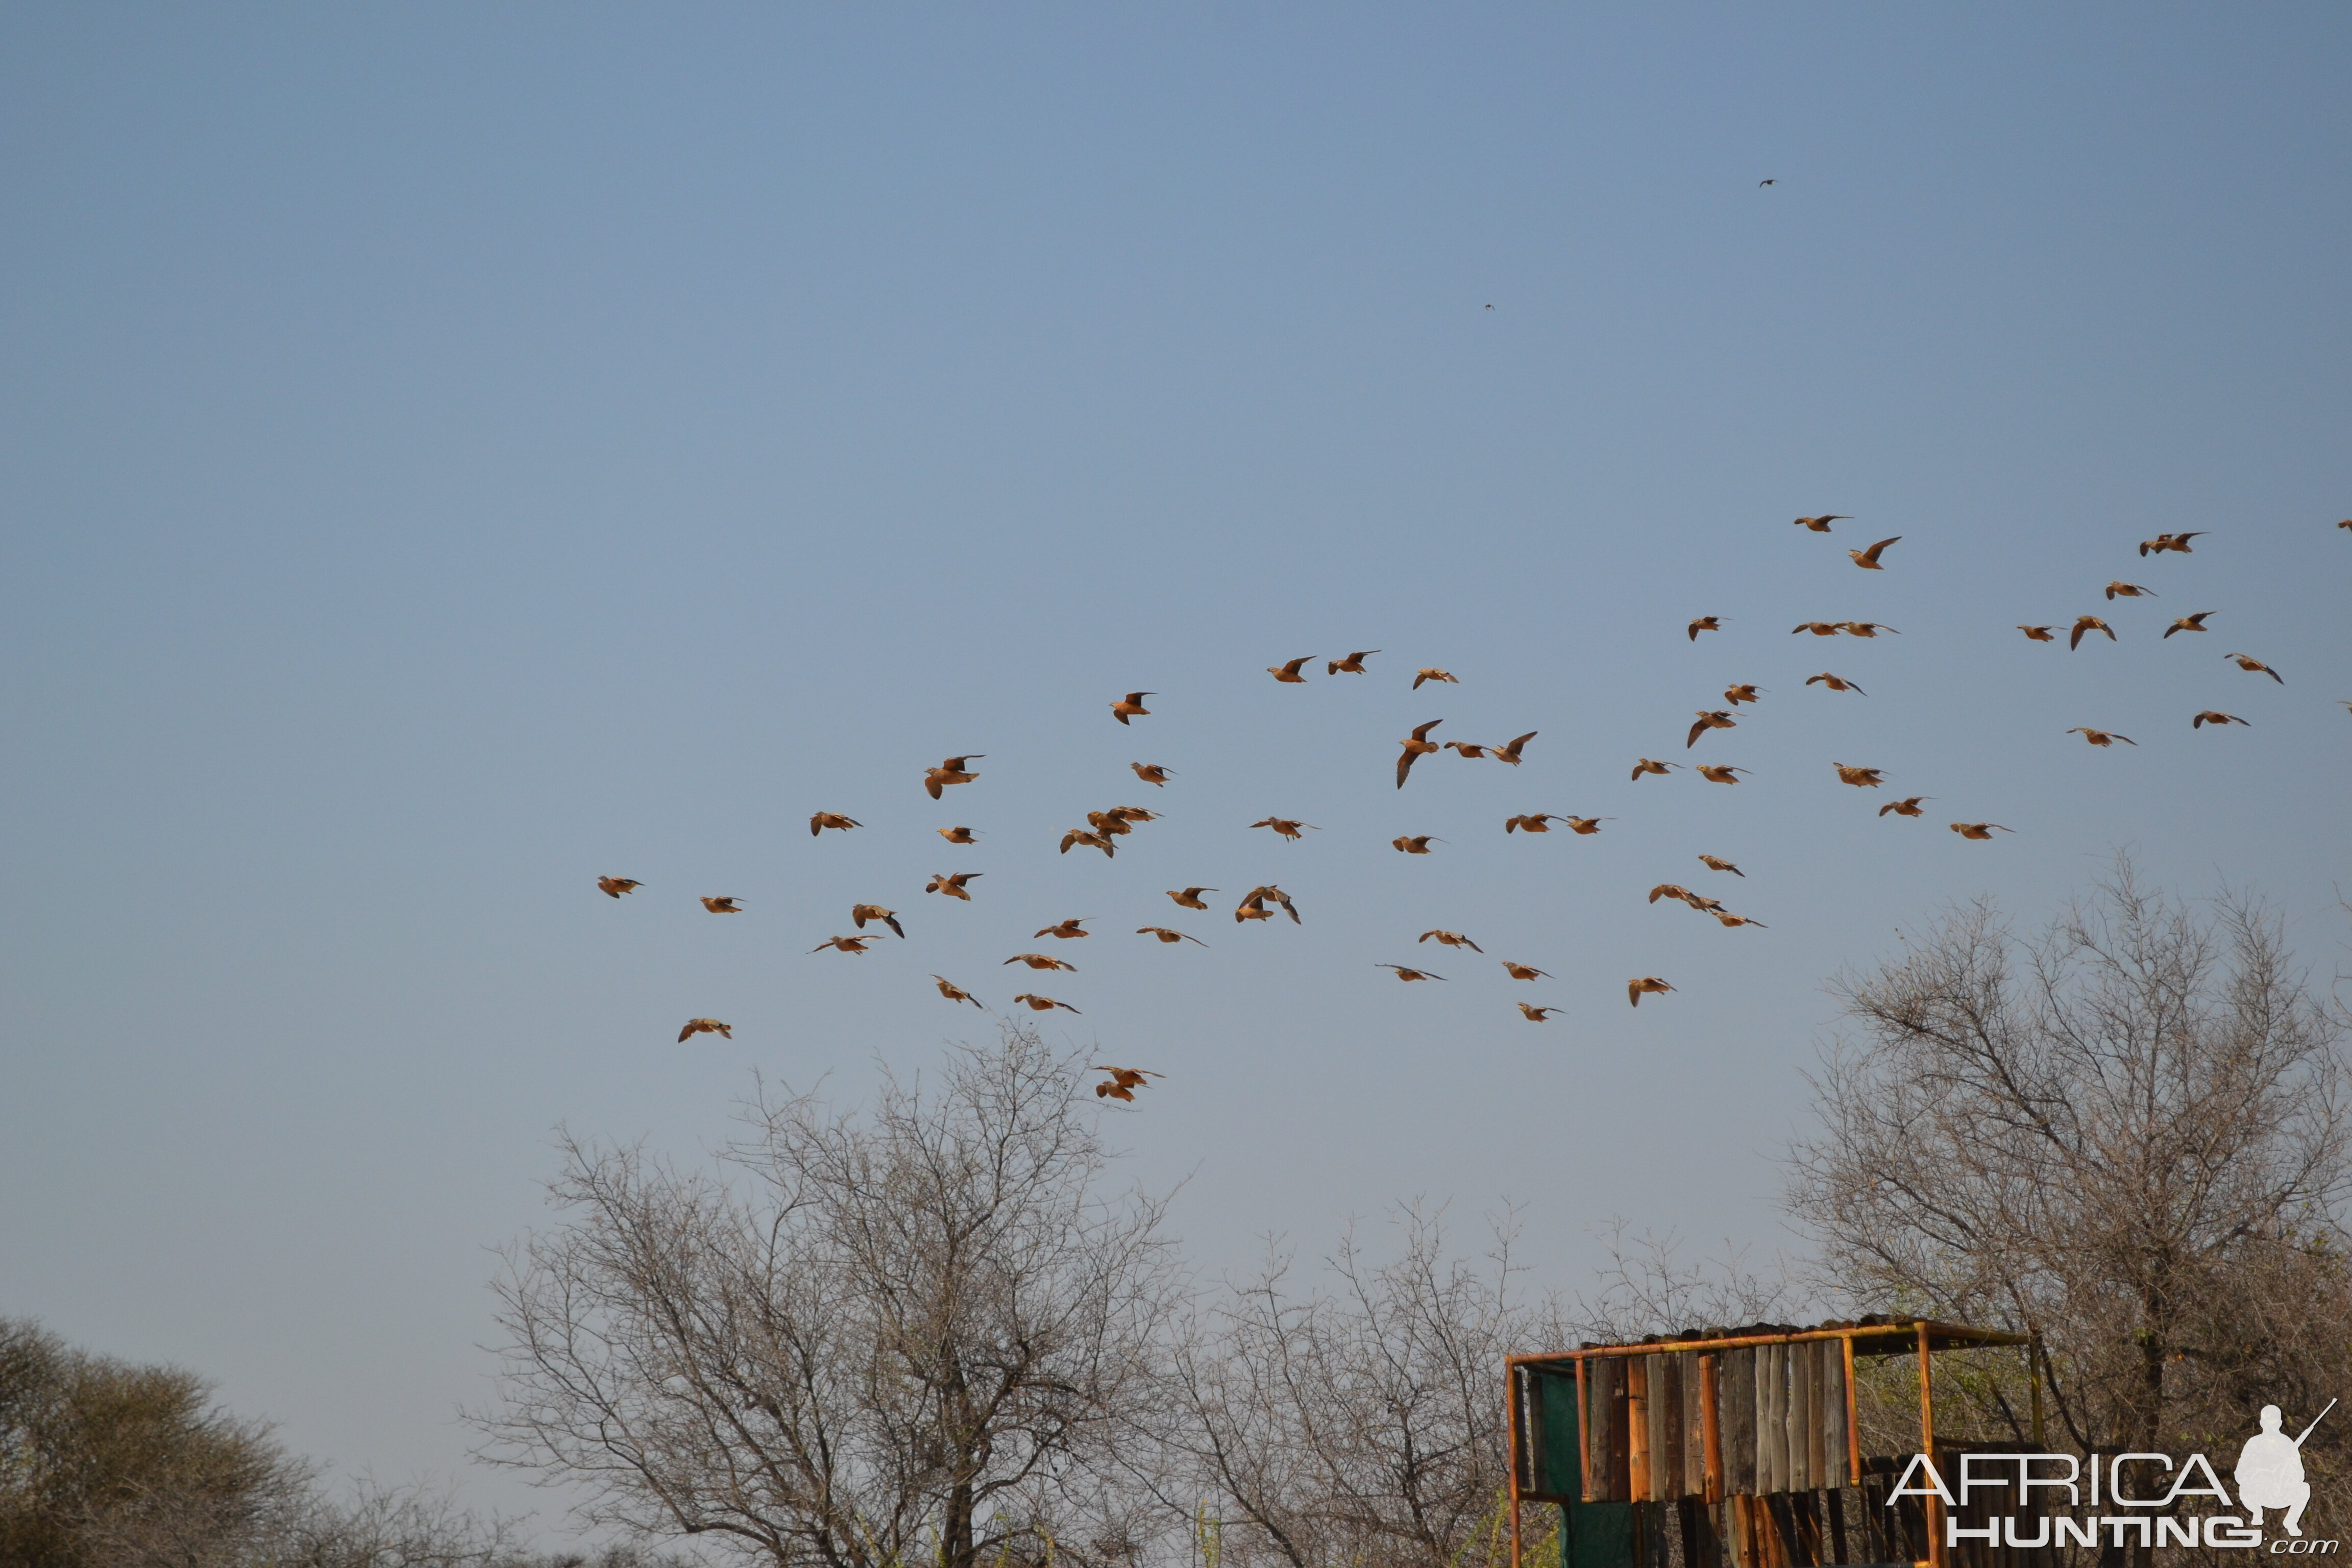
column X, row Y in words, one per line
column 1931, row 1505
column 1513, row 1402
column 1853, row 1420
column 1711, row 1426
column 1583, row 1437
column 2034, row 1366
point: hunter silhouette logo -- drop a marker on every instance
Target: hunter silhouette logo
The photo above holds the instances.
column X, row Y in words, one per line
column 2270, row 1471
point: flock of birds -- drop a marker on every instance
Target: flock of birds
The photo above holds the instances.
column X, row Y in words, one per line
column 1105, row 828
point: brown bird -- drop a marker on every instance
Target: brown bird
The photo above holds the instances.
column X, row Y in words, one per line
column 1670, row 890
column 614, row 887
column 1164, row 935
column 1288, row 826
column 2254, row 667
column 1705, row 906
column 1131, row 706
column 1259, row 896
column 1122, row 1083
column 950, row 772
column 860, row 913
column 1469, row 748
column 1716, row 720
column 1861, row 778
column 1704, row 624
column 2128, row 591
column 1907, row 806
column 1419, row 675
column 1108, row 823
column 1418, row 745
column 1736, row 695
column 1252, row 909
column 825, row 819
column 1728, row 918
column 1091, row 840
column 1712, row 864
column 2195, row 623
column 1868, row 559
column 1644, row 765
column 1523, row 972
column 2037, row 633
column 1587, row 825
column 1353, row 664
column 2210, row 717
column 704, row 1026
column 1150, row 773
column 1451, row 939
column 1821, row 525
column 1067, row 929
column 2164, row 542
column 2346, row 524
column 844, row 943
column 728, row 906
column 2101, row 737
column 1039, row 961
column 955, row 992
column 1537, row 1015
column 1044, row 1004
column 1716, row 773
column 1819, row 629
column 1980, row 829
column 1417, row 844
column 1404, row 973
column 1288, row 673
column 1866, row 628
column 1648, row 985
column 1189, row 897
column 2088, row 623
column 957, row 835
column 1539, row 822
column 1835, row 682
column 1510, row 752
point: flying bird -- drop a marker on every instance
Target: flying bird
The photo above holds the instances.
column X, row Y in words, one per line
column 1165, row 934
column 2164, row 542
column 1716, row 773
column 1354, row 663
column 1644, row 765
column 1044, row 1004
column 614, row 887
column 1258, row 897
column 1122, row 1083
column 1419, row 745
column 727, row 906
column 1091, row 840
column 1980, row 829
column 2195, row 623
column 950, row 772
column 1419, row 675
column 1150, row 773
column 825, row 819
column 1404, row 973
column 1716, row 720
column 1536, row 1015
column 1535, row 822
column 1821, row 525
column 1451, row 939
column 1288, row 673
column 1762, row 183
column 1868, row 559
column 1866, row 628
column 1819, row 629
column 2210, row 717
column 1670, row 890
column 1067, row 929
column 2037, row 633
column 955, row 992
column 1861, row 778
column 2088, row 623
column 860, row 913
column 1728, row 918
column 1415, row 844
column 1523, row 971
column 704, row 1026
column 1835, row 682
column 1468, row 748
column 1712, row 864
column 1040, row 960
column 844, row 943
column 2254, row 667
column 1648, row 985
column 1907, row 806
column 1736, row 695
column 1189, row 897
column 1131, row 706
column 1587, row 825
column 2128, row 591
column 1290, row 828
column 2101, row 737
column 957, row 835
column 1704, row 624
column 1510, row 752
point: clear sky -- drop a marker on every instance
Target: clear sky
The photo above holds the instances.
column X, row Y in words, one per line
column 451, row 452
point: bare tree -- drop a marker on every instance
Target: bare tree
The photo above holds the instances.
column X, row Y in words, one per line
column 2127, row 1133
column 905, row 1335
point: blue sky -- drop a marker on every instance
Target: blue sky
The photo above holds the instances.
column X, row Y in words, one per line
column 453, row 452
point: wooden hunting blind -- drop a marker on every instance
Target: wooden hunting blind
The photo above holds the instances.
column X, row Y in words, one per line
column 1731, row 1448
